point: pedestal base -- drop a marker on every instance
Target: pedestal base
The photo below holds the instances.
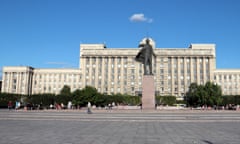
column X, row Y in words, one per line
column 148, row 92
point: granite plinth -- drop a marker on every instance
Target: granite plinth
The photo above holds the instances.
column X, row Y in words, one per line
column 148, row 92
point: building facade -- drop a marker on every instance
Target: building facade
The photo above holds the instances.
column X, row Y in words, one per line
column 28, row 80
column 114, row 70
column 229, row 80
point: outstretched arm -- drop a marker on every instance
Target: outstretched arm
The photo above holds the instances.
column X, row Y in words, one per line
column 154, row 53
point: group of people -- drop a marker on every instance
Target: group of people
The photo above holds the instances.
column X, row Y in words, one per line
column 110, row 106
column 61, row 106
column 89, row 106
column 58, row 106
column 11, row 106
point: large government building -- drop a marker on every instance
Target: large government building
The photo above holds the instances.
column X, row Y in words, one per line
column 114, row 70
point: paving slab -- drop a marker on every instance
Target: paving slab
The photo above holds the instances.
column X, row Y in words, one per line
column 60, row 127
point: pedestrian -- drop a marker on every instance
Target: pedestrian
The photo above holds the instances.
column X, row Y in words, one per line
column 10, row 105
column 51, row 106
column 89, row 108
column 109, row 106
column 113, row 104
column 16, row 105
column 69, row 105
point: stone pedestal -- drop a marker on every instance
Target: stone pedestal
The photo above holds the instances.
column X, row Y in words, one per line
column 148, row 92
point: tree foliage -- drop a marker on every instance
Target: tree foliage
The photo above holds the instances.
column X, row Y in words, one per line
column 41, row 99
column 209, row 94
column 88, row 94
column 198, row 95
column 166, row 100
column 66, row 90
column 65, row 95
column 6, row 97
column 231, row 99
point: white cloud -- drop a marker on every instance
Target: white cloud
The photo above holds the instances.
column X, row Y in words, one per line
column 60, row 64
column 140, row 18
column 56, row 63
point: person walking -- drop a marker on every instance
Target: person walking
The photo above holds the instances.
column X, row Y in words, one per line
column 10, row 105
column 89, row 108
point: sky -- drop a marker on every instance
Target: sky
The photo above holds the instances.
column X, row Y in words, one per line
column 47, row 33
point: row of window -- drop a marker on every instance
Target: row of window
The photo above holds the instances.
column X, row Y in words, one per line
column 162, row 59
column 227, row 77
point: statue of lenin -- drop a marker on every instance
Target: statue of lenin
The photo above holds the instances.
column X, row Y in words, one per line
column 145, row 56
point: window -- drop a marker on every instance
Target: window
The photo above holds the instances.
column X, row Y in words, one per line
column 176, row 89
column 94, row 60
column 112, row 59
column 162, row 89
column 14, row 87
column 87, row 60
column 119, row 60
column 181, row 60
column 207, row 60
column 14, row 74
column 225, row 77
column 161, row 77
column 133, row 77
column 100, row 60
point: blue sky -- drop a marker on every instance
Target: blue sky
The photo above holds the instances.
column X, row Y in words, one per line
column 47, row 33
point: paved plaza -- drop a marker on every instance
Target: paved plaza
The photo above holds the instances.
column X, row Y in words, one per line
column 119, row 127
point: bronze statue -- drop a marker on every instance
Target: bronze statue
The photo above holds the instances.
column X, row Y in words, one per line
column 145, row 57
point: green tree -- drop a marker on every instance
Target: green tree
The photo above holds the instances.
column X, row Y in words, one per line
column 66, row 90
column 209, row 94
column 131, row 100
column 166, row 100
column 6, row 97
column 231, row 99
column 65, row 95
column 214, row 94
column 201, row 96
column 191, row 95
column 42, row 99
column 88, row 94
column 77, row 98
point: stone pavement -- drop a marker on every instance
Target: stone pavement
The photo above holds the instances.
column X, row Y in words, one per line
column 119, row 127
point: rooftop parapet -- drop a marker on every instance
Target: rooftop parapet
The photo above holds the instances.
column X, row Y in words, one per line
column 202, row 46
column 92, row 46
